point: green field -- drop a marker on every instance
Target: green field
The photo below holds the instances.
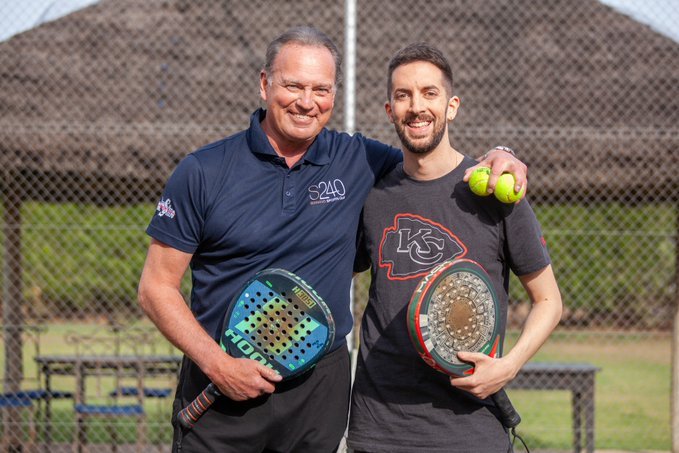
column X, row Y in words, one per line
column 55, row 341
column 632, row 393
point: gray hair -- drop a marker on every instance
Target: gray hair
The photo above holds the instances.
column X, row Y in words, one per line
column 306, row 36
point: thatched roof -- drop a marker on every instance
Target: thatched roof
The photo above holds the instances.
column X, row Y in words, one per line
column 118, row 92
column 588, row 96
column 114, row 95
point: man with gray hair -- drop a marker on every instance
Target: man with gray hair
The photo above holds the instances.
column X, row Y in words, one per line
column 285, row 193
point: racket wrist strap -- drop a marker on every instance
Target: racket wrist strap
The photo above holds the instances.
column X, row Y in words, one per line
column 516, row 436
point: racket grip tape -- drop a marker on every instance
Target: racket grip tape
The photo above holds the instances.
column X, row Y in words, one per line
column 508, row 415
column 188, row 416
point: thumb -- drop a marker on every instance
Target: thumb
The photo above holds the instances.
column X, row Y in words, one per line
column 269, row 374
column 471, row 357
column 468, row 172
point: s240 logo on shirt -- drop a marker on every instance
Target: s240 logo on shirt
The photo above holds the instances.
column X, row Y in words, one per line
column 327, row 191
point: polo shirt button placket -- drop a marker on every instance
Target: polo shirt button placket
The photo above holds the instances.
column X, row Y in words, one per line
column 288, row 192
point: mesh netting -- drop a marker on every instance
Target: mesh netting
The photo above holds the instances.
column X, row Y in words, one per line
column 99, row 105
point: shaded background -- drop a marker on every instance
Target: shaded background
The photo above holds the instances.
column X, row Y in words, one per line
column 98, row 106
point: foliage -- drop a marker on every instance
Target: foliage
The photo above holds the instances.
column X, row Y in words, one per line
column 83, row 259
column 78, row 256
column 614, row 263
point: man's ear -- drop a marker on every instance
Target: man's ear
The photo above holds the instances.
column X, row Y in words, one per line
column 453, row 107
column 387, row 108
column 263, row 82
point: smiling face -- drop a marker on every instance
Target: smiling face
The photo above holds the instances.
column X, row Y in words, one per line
column 419, row 106
column 300, row 94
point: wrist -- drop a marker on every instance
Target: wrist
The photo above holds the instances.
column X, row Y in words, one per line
column 514, row 361
column 501, row 148
column 211, row 359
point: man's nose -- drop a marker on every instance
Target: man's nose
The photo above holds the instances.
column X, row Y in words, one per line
column 306, row 99
column 416, row 104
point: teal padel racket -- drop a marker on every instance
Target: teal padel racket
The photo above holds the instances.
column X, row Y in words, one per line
column 278, row 320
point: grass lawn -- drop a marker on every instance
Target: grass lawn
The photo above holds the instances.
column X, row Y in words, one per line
column 632, row 392
column 55, row 341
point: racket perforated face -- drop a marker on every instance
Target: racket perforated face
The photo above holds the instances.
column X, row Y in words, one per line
column 279, row 321
column 454, row 309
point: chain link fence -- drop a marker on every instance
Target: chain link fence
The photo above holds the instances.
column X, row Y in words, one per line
column 99, row 105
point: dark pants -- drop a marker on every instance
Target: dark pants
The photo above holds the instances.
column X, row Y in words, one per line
column 305, row 414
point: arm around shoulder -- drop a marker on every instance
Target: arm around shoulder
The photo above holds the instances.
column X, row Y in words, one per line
column 502, row 160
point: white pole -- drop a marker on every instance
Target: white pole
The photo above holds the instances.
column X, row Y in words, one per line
column 350, row 100
column 674, row 402
column 350, row 66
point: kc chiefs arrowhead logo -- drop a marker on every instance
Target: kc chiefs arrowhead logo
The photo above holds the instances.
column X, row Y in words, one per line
column 415, row 245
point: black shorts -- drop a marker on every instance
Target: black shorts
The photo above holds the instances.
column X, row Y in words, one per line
column 306, row 414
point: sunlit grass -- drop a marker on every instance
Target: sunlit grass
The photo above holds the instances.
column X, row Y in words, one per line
column 632, row 393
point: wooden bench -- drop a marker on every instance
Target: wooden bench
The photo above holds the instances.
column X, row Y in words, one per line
column 576, row 377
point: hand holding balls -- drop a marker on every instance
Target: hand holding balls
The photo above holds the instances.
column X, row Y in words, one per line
column 504, row 189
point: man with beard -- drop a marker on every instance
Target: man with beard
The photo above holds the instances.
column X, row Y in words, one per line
column 419, row 215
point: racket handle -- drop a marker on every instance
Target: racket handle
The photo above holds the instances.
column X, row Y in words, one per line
column 188, row 416
column 508, row 415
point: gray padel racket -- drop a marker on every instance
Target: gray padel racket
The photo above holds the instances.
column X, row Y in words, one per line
column 278, row 320
column 454, row 308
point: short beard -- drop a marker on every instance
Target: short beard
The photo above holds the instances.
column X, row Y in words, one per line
column 425, row 147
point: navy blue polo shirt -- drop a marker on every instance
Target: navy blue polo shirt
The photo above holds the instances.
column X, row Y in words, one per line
column 238, row 208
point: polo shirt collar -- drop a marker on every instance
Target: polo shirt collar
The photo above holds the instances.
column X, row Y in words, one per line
column 318, row 153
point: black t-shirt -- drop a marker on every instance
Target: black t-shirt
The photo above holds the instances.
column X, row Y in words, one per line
column 399, row 403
